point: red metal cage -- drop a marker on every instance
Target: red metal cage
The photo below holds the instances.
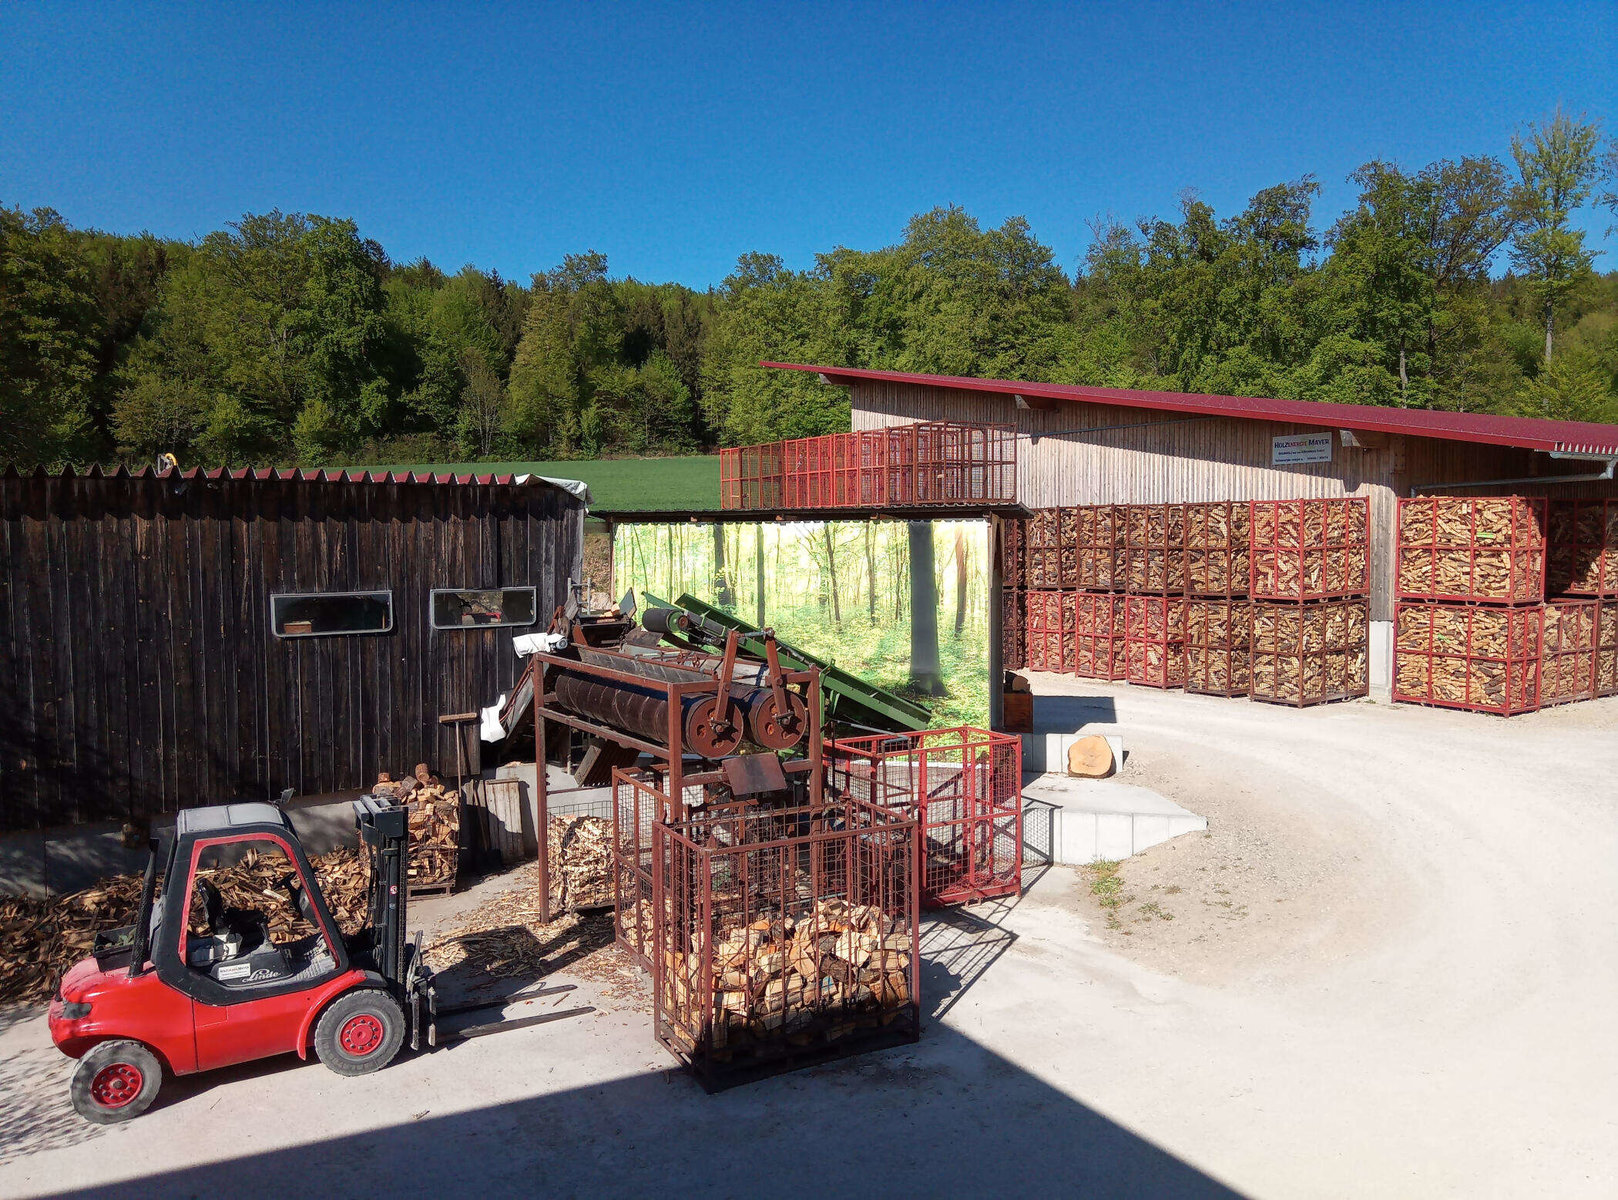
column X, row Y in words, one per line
column 1153, row 556
column 1154, row 640
column 1218, row 646
column 964, row 787
column 1468, row 656
column 1583, row 540
column 1310, row 652
column 1487, row 548
column 1310, row 549
column 1218, row 548
column 1099, row 530
column 1099, row 636
column 784, row 935
column 1567, row 670
column 1607, row 649
column 1051, row 628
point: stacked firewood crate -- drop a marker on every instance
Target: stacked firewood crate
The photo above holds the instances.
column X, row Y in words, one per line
column 1500, row 601
column 1218, row 614
column 1582, row 562
column 1310, row 583
column 1175, row 595
column 1013, row 599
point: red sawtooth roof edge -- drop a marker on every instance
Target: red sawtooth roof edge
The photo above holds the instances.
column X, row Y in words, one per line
column 300, row 474
column 1529, row 433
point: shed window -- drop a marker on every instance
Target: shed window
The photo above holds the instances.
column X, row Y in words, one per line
column 452, row 609
column 327, row 614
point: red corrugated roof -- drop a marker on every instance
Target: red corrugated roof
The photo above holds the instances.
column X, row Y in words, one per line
column 301, row 474
column 1530, row 433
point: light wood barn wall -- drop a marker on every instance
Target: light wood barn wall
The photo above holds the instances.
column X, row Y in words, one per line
column 1099, row 453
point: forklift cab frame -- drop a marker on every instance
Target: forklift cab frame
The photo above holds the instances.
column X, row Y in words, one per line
column 165, row 940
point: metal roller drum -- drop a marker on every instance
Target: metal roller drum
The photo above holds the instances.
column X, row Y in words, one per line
column 645, row 713
column 773, row 726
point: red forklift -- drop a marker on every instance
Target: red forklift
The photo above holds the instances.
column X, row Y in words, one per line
column 158, row 998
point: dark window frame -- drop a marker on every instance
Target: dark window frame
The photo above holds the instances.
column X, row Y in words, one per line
column 385, row 594
column 432, row 609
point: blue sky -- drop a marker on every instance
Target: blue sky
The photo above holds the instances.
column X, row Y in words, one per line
column 674, row 138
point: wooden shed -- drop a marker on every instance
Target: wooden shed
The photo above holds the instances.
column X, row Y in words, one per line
column 177, row 638
column 1089, row 445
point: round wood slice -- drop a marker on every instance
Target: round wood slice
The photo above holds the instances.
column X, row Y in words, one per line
column 1090, row 758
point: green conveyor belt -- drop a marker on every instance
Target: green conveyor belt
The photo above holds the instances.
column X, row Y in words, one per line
column 847, row 699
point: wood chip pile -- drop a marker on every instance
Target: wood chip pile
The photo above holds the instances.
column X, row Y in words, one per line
column 1484, row 548
column 1100, row 532
column 1310, row 653
column 1311, row 549
column 580, row 863
column 1014, row 629
column 1583, row 540
column 1098, row 636
column 1218, row 642
column 1052, row 551
column 1468, row 656
column 41, row 938
column 1051, row 626
column 1567, row 669
column 1154, row 554
column 1218, row 547
column 1154, row 640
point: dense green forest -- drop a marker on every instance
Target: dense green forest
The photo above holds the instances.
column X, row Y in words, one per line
column 293, row 338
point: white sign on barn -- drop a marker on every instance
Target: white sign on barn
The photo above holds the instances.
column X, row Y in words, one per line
column 1300, row 448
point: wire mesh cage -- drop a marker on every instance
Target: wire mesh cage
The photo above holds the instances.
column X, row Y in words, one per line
column 1310, row 549
column 637, row 804
column 1154, row 640
column 1098, row 636
column 1468, row 656
column 1154, row 558
column 959, row 463
column 1218, row 646
column 1218, row 548
column 1488, row 548
column 1567, row 669
column 784, row 935
column 1310, row 652
column 964, row 786
column 1583, row 548
column 580, row 840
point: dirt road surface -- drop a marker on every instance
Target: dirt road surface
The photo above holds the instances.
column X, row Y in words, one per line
column 1388, row 970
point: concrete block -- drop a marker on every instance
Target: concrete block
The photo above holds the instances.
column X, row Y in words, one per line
column 1381, row 665
column 1087, row 820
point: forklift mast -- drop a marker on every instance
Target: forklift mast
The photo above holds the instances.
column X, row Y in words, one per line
column 383, row 829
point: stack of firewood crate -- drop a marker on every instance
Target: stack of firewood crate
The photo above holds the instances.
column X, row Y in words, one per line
column 1229, row 598
column 1507, row 604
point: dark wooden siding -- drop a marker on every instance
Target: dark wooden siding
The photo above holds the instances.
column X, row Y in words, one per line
column 138, row 673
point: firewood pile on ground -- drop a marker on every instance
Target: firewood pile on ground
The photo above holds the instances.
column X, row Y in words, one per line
column 42, row 938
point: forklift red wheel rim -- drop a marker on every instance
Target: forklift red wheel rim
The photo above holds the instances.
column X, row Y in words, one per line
column 360, row 1035
column 116, row 1085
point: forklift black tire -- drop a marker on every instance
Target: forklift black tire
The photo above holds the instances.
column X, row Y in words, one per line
column 115, row 1081
column 360, row 1032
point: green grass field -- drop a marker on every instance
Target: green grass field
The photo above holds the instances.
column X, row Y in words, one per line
column 689, row 484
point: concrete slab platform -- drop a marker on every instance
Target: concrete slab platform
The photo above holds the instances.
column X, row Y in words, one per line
column 1095, row 820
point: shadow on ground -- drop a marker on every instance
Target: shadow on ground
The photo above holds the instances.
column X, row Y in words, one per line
column 946, row 1115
